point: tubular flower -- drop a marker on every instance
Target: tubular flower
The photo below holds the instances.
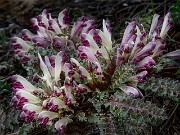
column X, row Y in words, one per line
column 30, row 111
column 54, row 32
column 61, row 124
column 20, row 83
column 46, row 116
column 132, row 91
column 167, row 24
column 155, row 22
column 44, row 103
column 138, row 77
column 146, row 63
column 143, row 45
column 104, row 37
column 129, row 34
column 76, row 62
column 87, row 53
column 21, row 49
column 84, row 73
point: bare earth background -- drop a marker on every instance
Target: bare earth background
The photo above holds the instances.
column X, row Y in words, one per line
column 15, row 15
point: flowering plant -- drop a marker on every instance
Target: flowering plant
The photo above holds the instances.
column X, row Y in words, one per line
column 79, row 63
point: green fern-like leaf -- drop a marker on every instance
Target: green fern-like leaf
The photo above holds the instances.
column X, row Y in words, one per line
column 125, row 115
column 107, row 126
column 121, row 76
column 82, row 117
column 134, row 115
column 120, row 100
column 94, row 118
column 25, row 129
column 166, row 87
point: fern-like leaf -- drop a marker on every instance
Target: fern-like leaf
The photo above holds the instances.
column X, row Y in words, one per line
column 107, row 126
column 166, row 87
column 134, row 116
column 121, row 100
column 121, row 76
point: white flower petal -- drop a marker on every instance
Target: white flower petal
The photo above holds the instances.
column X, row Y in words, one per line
column 55, row 26
column 26, row 84
column 58, row 67
column 84, row 87
column 61, row 123
column 75, row 62
column 106, row 32
column 104, row 53
column 31, row 98
column 32, row 107
column 58, row 102
column 44, row 20
column 42, row 32
column 51, row 69
column 47, row 114
column 25, row 46
column 131, row 90
column 154, row 24
column 61, row 17
column 45, row 70
column 93, row 46
column 107, row 43
column 85, row 73
column 165, row 24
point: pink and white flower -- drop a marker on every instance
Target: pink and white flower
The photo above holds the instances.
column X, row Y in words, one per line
column 46, row 116
column 139, row 77
column 20, row 83
column 30, row 111
column 80, row 61
column 167, row 24
column 132, row 91
column 146, row 63
column 84, row 73
column 56, row 104
column 61, row 124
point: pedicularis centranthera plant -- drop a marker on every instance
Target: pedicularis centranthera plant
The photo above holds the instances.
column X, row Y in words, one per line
column 83, row 74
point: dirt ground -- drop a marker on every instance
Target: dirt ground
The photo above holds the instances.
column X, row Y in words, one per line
column 15, row 16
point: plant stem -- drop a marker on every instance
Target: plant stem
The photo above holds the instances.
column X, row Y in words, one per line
column 169, row 118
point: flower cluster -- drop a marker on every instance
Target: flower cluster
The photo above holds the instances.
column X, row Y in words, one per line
column 51, row 34
column 82, row 59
